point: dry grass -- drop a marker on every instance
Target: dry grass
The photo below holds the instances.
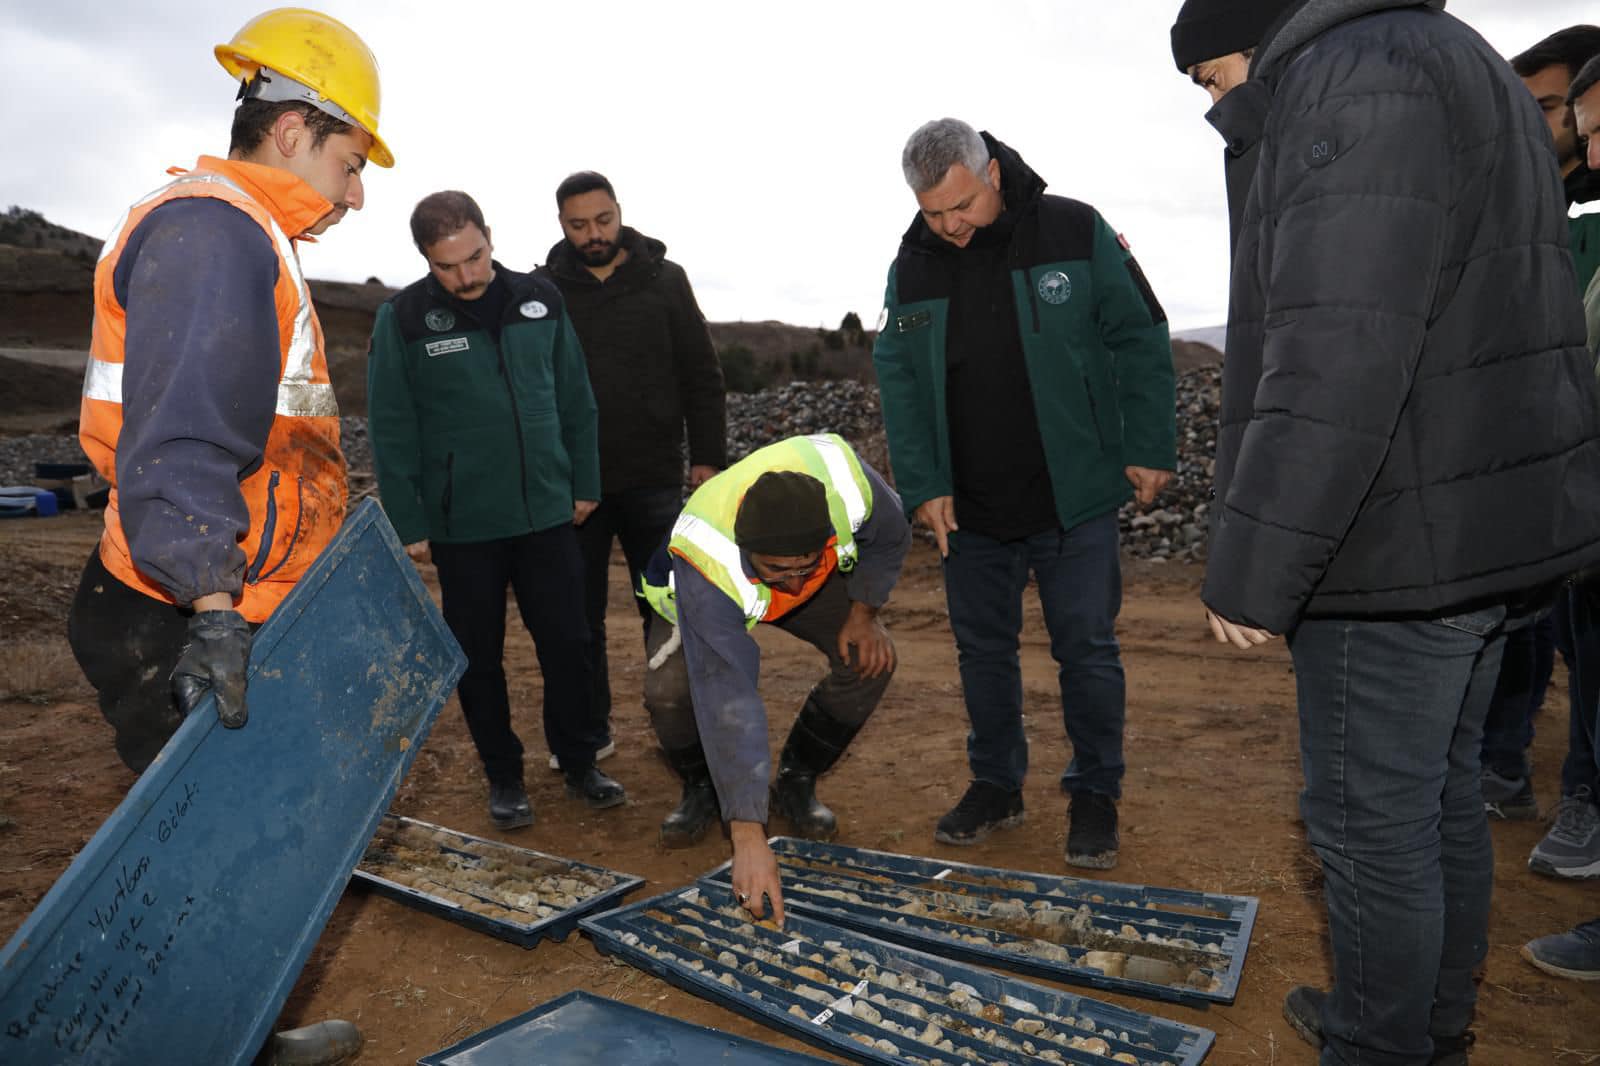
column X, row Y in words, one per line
column 40, row 671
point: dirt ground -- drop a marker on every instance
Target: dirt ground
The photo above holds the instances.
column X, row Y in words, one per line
column 1209, row 804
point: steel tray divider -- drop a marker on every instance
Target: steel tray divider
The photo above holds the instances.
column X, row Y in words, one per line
column 1229, row 918
column 718, row 929
column 557, row 926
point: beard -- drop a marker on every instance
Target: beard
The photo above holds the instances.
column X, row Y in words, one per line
column 598, row 253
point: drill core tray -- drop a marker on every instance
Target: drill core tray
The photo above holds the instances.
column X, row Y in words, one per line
column 876, row 1002
column 1185, row 947
column 508, row 892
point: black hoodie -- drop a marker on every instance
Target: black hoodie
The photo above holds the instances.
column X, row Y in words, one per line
column 1002, row 482
column 652, row 366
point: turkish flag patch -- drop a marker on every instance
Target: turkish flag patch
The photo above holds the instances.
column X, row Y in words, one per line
column 1126, row 247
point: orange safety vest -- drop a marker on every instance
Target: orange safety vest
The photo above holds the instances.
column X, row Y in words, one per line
column 296, row 498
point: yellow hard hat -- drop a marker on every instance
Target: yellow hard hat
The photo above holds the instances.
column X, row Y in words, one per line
column 320, row 53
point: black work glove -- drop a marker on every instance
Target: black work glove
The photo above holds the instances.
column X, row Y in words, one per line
column 214, row 660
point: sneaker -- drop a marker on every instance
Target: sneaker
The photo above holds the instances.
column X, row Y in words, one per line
column 1574, row 954
column 605, row 752
column 1302, row 1009
column 597, row 790
column 1572, row 847
column 1092, row 840
column 981, row 811
column 508, row 805
column 1510, row 798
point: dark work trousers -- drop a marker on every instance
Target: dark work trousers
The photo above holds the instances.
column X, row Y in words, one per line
column 545, row 572
column 641, row 520
column 1391, row 726
column 843, row 695
column 1079, row 578
column 1530, row 654
column 127, row 645
column 1578, row 632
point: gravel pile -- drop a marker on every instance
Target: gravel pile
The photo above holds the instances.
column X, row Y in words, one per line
column 1175, row 526
column 1172, row 530
column 847, row 408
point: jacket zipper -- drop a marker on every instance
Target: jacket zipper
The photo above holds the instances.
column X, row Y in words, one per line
column 516, row 424
column 1094, row 413
column 252, row 575
column 1033, row 297
column 449, row 488
column 294, row 537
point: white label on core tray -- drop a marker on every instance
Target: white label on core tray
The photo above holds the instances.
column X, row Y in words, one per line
column 944, row 873
column 791, row 948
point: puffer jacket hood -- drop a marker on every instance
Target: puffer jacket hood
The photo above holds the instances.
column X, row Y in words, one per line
column 1308, row 19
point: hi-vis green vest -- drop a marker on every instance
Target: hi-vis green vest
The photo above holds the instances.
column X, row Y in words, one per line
column 703, row 533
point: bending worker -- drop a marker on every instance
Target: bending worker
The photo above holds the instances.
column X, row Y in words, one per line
column 207, row 402
column 803, row 535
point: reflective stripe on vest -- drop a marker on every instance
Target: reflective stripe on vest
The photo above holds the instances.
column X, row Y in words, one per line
column 298, row 395
column 753, row 596
column 702, row 535
column 844, row 482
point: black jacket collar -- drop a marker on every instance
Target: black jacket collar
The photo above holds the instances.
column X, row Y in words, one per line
column 645, row 255
column 1021, row 185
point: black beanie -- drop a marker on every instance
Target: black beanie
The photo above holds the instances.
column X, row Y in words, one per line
column 784, row 513
column 1210, row 29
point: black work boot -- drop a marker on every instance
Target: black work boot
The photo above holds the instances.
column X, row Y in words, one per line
column 595, row 788
column 814, row 745
column 698, row 810
column 508, row 805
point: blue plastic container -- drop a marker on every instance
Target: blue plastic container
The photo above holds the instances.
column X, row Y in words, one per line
column 178, row 932
column 877, row 892
column 519, row 925
column 824, row 984
column 580, row 1029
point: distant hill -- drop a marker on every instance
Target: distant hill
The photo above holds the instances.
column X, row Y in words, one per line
column 46, row 301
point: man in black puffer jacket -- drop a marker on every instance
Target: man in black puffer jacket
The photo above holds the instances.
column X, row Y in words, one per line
column 1408, row 455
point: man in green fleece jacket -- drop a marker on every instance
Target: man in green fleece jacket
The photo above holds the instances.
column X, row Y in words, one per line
column 484, row 437
column 1027, row 389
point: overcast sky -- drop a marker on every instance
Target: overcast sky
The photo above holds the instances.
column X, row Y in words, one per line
column 761, row 142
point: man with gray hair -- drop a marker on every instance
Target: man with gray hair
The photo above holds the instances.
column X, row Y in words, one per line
column 1003, row 303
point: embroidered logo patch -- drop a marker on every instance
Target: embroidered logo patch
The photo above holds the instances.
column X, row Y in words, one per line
column 907, row 323
column 445, row 347
column 534, row 309
column 1055, row 288
column 439, row 321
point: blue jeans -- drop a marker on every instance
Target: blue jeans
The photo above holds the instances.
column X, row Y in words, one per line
column 1079, row 576
column 1525, row 669
column 1391, row 720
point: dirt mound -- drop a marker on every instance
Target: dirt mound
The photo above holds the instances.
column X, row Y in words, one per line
column 30, row 388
